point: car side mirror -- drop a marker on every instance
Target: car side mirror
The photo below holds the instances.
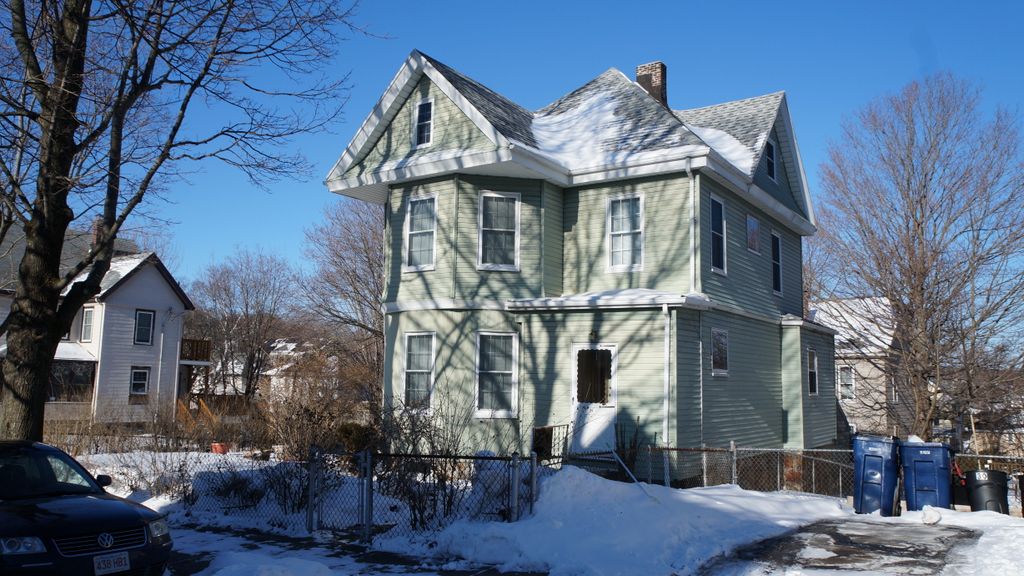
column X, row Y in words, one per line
column 103, row 480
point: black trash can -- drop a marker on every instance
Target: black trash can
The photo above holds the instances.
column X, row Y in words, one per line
column 988, row 491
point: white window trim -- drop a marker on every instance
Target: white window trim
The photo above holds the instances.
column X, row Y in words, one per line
column 480, row 232
column 131, row 380
column 817, row 373
column 782, row 285
column 839, row 382
column 774, row 158
column 405, row 369
column 92, row 324
column 405, row 234
column 725, row 239
column 755, row 219
column 416, row 123
column 495, row 414
column 608, row 234
column 719, row 371
column 135, row 327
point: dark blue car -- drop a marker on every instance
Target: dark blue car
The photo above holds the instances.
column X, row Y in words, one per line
column 55, row 518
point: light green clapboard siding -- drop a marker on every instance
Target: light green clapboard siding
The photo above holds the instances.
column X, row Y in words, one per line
column 747, row 282
column 780, row 188
column 553, row 239
column 424, row 284
column 746, row 405
column 666, row 236
column 451, row 130
column 819, row 410
column 688, row 394
column 545, row 370
column 793, row 392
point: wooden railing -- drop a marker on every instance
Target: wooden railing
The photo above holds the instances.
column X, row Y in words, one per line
column 195, row 350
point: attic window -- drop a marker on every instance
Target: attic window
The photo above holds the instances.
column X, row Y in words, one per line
column 769, row 159
column 424, row 122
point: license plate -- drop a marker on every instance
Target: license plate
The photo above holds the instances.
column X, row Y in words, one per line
column 110, row 563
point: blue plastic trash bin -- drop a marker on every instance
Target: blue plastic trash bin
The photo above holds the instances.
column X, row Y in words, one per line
column 926, row 475
column 876, row 474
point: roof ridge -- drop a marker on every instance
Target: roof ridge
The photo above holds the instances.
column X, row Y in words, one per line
column 776, row 93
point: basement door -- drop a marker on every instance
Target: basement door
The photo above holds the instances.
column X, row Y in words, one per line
column 593, row 397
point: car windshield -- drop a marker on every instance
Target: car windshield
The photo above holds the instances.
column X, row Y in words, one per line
column 31, row 473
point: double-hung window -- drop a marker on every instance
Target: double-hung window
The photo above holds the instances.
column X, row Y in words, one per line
column 753, row 234
column 769, row 159
column 140, row 381
column 717, row 235
column 424, row 123
column 87, row 314
column 420, row 230
column 496, row 375
column 499, row 231
column 776, row 263
column 144, row 320
column 625, row 234
column 419, row 369
column 719, row 352
column 846, row 384
column 812, row 372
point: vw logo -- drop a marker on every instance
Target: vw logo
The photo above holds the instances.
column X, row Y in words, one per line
column 105, row 540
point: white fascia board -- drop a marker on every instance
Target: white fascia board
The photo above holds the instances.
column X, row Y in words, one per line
column 696, row 301
column 689, row 157
column 387, row 107
column 383, row 112
column 787, row 122
column 808, row 325
column 730, row 176
column 441, row 304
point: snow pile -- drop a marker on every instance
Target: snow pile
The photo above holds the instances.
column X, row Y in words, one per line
column 588, row 525
column 256, row 564
column 575, row 136
column 728, row 146
column 997, row 550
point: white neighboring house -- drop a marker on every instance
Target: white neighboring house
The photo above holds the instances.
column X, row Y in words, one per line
column 121, row 360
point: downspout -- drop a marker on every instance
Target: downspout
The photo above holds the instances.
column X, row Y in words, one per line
column 700, row 366
column 693, row 230
column 160, row 360
column 454, row 246
column 668, row 373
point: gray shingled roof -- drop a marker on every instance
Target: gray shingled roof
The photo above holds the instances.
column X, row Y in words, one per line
column 76, row 247
column 748, row 120
column 641, row 124
column 510, row 119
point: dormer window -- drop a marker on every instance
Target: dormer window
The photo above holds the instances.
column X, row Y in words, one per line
column 769, row 159
column 424, row 122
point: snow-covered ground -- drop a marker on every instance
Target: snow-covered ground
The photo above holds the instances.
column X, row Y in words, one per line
column 584, row 524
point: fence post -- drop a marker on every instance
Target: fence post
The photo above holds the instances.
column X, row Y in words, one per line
column 704, row 464
column 650, row 465
column 732, row 451
column 311, row 491
column 367, row 495
column 778, row 470
column 814, row 480
column 533, row 480
column 513, row 494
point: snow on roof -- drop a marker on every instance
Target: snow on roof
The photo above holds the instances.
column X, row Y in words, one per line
column 865, row 325
column 746, row 122
column 728, row 146
column 73, row 351
column 120, row 267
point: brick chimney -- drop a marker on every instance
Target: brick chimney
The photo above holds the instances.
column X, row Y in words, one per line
column 653, row 78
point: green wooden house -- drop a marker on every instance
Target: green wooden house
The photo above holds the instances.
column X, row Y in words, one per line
column 603, row 264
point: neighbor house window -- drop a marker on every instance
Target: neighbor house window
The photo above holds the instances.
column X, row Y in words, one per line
column 719, row 352
column 144, row 320
column 140, row 380
column 420, row 229
column 419, row 369
column 424, row 122
column 625, row 234
column 812, row 372
column 499, row 231
column 496, row 375
column 846, row 389
column 769, row 159
column 753, row 234
column 717, row 235
column 87, row 324
column 776, row 263
column 894, row 393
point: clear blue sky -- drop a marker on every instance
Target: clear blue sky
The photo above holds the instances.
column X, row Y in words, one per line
column 830, row 57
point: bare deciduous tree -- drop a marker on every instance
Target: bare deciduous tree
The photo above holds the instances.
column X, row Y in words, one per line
column 924, row 195
column 241, row 305
column 345, row 288
column 97, row 112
